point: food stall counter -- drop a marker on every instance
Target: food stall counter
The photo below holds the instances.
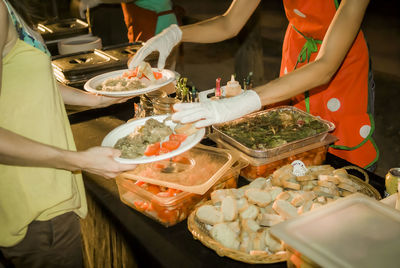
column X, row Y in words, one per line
column 146, row 242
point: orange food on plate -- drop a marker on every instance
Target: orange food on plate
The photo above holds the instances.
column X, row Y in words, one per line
column 171, row 145
column 164, row 150
column 177, row 137
column 157, row 75
column 152, row 149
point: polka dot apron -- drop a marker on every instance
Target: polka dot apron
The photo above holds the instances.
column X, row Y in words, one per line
column 347, row 100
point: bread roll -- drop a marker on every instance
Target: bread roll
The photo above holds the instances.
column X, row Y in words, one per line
column 229, row 208
column 209, row 214
column 225, row 235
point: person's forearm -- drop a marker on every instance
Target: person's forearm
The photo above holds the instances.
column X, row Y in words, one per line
column 220, row 27
column 74, row 96
column 21, row 151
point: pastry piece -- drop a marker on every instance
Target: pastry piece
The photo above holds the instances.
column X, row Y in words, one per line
column 209, row 214
column 259, row 197
column 267, row 219
column 284, row 209
column 251, row 212
column 229, row 208
column 225, row 235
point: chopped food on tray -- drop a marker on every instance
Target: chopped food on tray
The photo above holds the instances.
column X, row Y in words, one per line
column 131, row 79
column 273, row 129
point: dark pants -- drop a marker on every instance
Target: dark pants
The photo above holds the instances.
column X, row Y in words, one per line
column 47, row 244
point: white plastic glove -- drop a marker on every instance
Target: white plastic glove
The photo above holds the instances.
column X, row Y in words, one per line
column 85, row 4
column 163, row 42
column 218, row 111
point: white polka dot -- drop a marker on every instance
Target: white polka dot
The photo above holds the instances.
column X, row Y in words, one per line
column 285, row 71
column 299, row 13
column 364, row 131
column 333, row 105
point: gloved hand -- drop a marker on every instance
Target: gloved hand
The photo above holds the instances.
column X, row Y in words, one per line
column 85, row 4
column 163, row 42
column 218, row 111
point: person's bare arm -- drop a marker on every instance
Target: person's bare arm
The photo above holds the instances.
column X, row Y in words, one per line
column 337, row 42
column 20, row 151
column 221, row 27
column 74, row 96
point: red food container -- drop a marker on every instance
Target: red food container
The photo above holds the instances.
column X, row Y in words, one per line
column 310, row 154
column 170, row 206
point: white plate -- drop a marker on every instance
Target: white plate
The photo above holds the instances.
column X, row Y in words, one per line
column 111, row 139
column 167, row 77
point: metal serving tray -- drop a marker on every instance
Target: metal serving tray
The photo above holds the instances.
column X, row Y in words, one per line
column 64, row 28
column 279, row 149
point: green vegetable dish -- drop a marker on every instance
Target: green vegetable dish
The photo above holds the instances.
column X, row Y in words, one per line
column 273, row 129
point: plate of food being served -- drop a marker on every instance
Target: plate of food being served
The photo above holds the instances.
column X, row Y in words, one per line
column 151, row 139
column 130, row 82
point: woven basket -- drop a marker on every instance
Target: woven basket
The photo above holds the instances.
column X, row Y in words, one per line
column 366, row 188
column 200, row 232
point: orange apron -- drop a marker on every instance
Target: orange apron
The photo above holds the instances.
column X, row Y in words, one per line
column 347, row 100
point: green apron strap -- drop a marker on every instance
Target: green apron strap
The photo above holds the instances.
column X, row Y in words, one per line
column 309, row 47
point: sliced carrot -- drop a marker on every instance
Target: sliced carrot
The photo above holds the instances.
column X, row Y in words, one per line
column 130, row 73
column 152, row 149
column 157, row 75
column 164, row 150
column 140, row 183
column 171, row 145
column 154, row 189
column 177, row 137
column 173, row 192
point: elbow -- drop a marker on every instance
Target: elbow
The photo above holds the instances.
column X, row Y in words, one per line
column 325, row 72
column 231, row 28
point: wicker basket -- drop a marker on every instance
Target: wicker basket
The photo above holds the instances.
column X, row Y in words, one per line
column 200, row 232
column 366, row 188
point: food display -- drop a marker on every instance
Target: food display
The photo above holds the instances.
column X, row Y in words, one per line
column 274, row 131
column 166, row 205
column 236, row 222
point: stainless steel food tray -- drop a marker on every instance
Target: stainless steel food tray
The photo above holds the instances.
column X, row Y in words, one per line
column 279, row 149
column 64, row 28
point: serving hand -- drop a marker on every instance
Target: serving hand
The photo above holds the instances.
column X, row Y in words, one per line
column 163, row 43
column 218, row 111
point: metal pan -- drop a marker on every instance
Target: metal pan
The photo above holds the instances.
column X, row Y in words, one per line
column 262, row 153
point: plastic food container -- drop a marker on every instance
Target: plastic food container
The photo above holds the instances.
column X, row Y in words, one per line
column 356, row 231
column 311, row 154
column 170, row 206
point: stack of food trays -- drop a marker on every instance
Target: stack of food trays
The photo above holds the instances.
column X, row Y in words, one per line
column 264, row 139
column 236, row 222
column 169, row 197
